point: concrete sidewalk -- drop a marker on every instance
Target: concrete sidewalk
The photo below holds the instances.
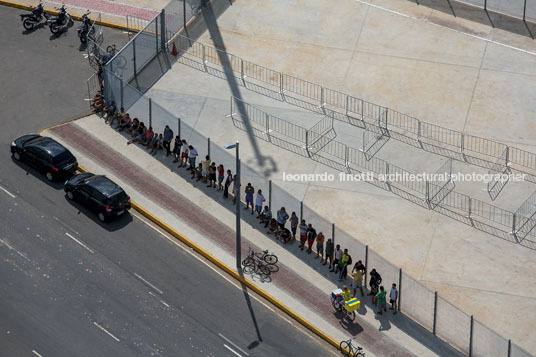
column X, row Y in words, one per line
column 205, row 217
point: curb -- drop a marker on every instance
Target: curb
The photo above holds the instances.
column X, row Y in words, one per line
column 75, row 17
column 230, row 271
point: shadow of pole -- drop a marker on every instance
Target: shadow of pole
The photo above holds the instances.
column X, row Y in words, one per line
column 251, row 311
column 215, row 34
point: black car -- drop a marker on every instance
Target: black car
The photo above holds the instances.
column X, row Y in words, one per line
column 99, row 194
column 45, row 154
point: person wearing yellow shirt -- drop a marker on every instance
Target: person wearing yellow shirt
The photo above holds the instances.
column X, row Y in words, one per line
column 346, row 295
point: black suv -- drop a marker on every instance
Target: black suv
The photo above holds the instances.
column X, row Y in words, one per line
column 45, row 154
column 99, row 194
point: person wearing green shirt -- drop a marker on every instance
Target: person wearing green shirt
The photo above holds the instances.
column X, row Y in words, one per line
column 381, row 296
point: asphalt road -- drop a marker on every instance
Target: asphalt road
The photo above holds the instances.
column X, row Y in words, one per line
column 71, row 286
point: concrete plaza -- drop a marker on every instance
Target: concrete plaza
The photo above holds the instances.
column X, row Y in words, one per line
column 479, row 81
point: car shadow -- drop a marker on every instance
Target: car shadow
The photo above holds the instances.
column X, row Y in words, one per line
column 111, row 225
column 57, row 185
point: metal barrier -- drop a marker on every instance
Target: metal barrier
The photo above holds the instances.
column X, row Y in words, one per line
column 93, row 86
column 415, row 300
column 358, row 112
column 436, row 193
column 135, row 24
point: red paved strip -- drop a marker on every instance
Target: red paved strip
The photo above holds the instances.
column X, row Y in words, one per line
column 112, row 7
column 286, row 279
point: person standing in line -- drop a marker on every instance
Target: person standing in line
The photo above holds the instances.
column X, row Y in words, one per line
column 168, row 136
column 294, row 224
column 344, row 264
column 359, row 268
column 320, row 246
column 259, row 201
column 375, row 281
column 336, row 262
column 282, row 217
column 380, row 297
column 249, row 190
column 177, row 146
column 205, row 166
column 311, row 236
column 221, row 176
column 228, row 183
column 235, row 189
column 303, row 234
column 192, row 155
column 212, row 175
column 393, row 297
column 357, row 280
column 329, row 253
column 185, row 153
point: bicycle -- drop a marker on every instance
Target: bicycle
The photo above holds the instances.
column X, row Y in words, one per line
column 264, row 257
column 336, row 303
column 347, row 348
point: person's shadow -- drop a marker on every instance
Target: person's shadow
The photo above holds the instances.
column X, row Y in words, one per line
column 385, row 324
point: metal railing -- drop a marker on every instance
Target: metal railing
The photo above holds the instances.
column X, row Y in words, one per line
column 418, row 302
column 358, row 112
column 436, row 193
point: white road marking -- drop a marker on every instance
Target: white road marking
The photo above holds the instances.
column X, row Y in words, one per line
column 234, row 344
column 6, row 191
column 445, row 27
column 103, row 329
column 65, row 225
column 162, row 301
column 12, row 248
column 148, row 283
column 172, row 240
column 35, row 353
column 233, row 351
column 77, row 241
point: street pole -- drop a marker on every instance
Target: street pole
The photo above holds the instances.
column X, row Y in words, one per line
column 238, row 235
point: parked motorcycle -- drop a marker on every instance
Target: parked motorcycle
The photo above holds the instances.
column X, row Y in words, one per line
column 85, row 29
column 37, row 15
column 61, row 21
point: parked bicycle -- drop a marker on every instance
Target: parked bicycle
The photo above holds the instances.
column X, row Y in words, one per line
column 265, row 258
column 349, row 348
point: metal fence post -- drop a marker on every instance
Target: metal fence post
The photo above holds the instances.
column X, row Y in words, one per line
column 301, row 211
column 208, row 147
column 509, row 348
column 150, row 112
column 204, row 57
column 462, row 143
column 270, row 195
column 524, row 9
column 322, row 99
column 471, row 337
column 268, row 127
column 156, row 33
column 134, row 56
column 333, row 233
column 366, row 265
column 121, row 91
column 399, row 287
column 435, row 313
column 179, row 128
column 163, row 30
